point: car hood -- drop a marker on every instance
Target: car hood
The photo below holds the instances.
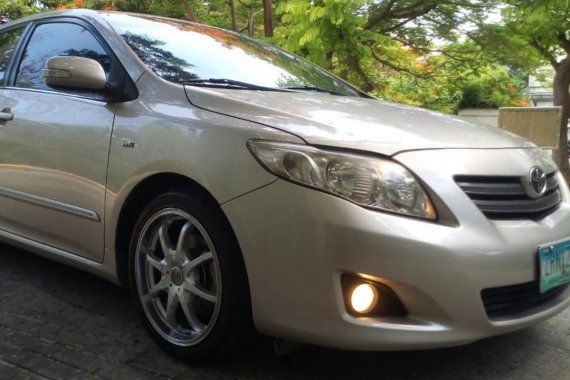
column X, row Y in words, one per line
column 353, row 123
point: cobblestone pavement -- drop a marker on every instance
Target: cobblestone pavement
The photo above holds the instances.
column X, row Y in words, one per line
column 59, row 323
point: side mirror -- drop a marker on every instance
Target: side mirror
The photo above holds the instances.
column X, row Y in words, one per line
column 74, row 72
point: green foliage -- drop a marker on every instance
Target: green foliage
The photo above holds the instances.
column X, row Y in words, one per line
column 167, row 8
column 17, row 8
column 542, row 22
column 456, row 86
column 492, row 88
column 322, row 33
column 539, row 32
column 376, row 46
column 532, row 34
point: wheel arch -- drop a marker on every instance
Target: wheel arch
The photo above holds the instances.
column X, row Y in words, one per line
column 142, row 194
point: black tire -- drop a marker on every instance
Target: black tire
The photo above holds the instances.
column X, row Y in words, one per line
column 188, row 278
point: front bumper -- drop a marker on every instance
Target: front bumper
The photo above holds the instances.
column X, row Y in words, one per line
column 297, row 243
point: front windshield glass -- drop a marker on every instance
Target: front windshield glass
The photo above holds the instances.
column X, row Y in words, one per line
column 183, row 52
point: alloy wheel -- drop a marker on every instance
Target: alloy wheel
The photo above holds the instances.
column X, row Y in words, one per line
column 178, row 277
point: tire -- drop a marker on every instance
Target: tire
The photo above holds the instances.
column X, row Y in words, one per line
column 188, row 278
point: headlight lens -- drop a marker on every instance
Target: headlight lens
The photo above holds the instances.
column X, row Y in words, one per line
column 367, row 181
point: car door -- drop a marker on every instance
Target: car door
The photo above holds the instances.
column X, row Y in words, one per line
column 54, row 144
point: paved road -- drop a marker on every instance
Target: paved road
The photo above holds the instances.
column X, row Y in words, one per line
column 60, row 323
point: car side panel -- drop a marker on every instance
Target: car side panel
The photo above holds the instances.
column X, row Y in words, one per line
column 161, row 132
column 53, row 165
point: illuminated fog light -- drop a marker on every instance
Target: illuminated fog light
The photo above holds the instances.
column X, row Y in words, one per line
column 364, row 298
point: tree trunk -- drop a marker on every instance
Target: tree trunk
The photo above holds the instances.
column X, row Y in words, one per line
column 268, row 18
column 188, row 11
column 233, row 15
column 562, row 98
column 353, row 62
column 329, row 58
column 250, row 25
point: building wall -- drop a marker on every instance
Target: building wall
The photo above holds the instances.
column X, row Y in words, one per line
column 539, row 88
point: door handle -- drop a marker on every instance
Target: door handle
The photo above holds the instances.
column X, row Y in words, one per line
column 5, row 115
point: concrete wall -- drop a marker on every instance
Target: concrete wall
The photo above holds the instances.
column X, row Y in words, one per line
column 485, row 116
column 541, row 125
column 537, row 124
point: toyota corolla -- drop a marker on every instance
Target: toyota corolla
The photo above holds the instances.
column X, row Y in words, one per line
column 233, row 185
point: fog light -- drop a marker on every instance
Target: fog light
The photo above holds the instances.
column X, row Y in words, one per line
column 364, row 298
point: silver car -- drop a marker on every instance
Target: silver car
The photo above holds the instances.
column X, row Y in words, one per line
column 234, row 186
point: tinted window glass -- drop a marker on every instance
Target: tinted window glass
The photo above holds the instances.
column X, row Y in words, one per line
column 181, row 52
column 8, row 41
column 57, row 39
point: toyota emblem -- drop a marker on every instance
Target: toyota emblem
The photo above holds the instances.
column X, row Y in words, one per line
column 537, row 182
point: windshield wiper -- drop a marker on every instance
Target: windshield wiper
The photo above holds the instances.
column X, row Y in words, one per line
column 315, row 89
column 236, row 84
column 230, row 83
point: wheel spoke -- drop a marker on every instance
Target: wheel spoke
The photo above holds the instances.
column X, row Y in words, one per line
column 184, row 241
column 171, row 305
column 191, row 265
column 156, row 263
column 167, row 246
column 186, row 303
column 205, row 295
column 156, row 289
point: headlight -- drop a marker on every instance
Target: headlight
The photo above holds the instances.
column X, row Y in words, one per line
column 367, row 181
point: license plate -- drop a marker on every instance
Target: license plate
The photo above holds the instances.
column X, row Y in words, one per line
column 554, row 265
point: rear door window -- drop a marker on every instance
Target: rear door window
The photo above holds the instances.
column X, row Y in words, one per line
column 8, row 43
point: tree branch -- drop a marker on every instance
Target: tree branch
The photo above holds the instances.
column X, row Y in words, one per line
column 397, row 26
column 564, row 43
column 461, row 59
column 353, row 62
column 381, row 15
column 410, row 12
column 544, row 52
column 401, row 69
column 405, row 43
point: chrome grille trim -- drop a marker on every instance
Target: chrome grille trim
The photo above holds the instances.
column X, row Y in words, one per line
column 506, row 198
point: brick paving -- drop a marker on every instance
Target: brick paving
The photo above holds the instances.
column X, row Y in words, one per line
column 60, row 323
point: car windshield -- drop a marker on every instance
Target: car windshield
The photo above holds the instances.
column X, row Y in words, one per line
column 195, row 54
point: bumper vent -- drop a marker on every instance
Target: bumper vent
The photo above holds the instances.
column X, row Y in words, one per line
column 506, row 198
column 515, row 299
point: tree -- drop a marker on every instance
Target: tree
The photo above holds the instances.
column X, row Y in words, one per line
column 353, row 38
column 454, row 85
column 13, row 9
column 188, row 11
column 268, row 18
column 534, row 34
column 233, row 14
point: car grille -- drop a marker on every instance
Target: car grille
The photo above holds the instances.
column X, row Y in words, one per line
column 505, row 197
column 515, row 299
